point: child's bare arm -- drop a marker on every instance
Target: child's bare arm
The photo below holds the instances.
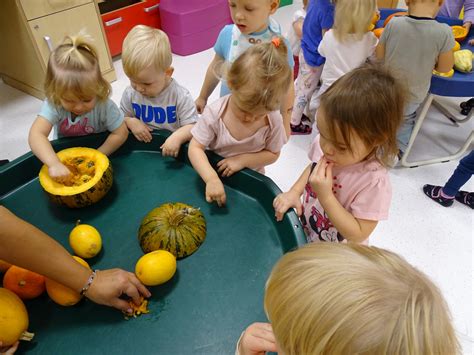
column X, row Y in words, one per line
column 286, row 106
column 380, row 51
column 214, row 187
column 179, row 137
column 41, row 147
column 114, row 140
column 229, row 166
column 210, row 82
column 298, row 27
column 445, row 62
column 291, row 198
column 140, row 130
column 353, row 229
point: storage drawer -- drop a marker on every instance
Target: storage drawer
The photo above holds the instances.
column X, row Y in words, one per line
column 119, row 22
column 49, row 31
column 35, row 8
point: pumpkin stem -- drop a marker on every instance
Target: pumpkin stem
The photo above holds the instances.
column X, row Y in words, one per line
column 26, row 336
column 176, row 218
column 78, row 222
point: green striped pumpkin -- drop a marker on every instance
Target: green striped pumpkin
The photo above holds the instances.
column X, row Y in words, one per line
column 176, row 227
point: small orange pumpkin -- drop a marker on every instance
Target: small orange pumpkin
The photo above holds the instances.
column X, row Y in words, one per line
column 459, row 33
column 395, row 14
column 378, row 32
column 25, row 283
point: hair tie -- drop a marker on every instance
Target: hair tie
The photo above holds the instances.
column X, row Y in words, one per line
column 276, row 41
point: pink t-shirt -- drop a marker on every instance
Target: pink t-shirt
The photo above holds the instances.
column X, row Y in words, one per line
column 363, row 189
column 211, row 132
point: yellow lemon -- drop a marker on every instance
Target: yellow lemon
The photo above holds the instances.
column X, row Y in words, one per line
column 85, row 240
column 456, row 47
column 156, row 267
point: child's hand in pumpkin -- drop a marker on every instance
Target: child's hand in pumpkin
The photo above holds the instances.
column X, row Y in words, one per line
column 139, row 129
column 59, row 172
column 171, row 147
column 215, row 192
column 283, row 202
column 321, row 180
column 10, row 350
column 257, row 339
column 229, row 166
column 109, row 285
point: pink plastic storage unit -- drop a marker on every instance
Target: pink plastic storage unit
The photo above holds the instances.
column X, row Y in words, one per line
column 193, row 25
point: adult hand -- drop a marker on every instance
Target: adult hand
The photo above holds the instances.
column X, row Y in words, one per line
column 215, row 192
column 140, row 130
column 200, row 104
column 109, row 285
column 283, row 202
column 229, row 166
column 321, row 179
column 467, row 26
column 257, row 339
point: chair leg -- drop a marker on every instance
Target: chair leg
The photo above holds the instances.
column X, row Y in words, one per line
column 419, row 121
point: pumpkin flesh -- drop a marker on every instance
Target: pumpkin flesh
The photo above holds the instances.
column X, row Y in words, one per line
column 91, row 178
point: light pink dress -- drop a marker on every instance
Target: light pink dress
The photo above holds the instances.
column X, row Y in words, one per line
column 363, row 189
column 211, row 132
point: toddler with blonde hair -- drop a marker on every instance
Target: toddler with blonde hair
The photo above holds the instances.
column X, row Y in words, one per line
column 348, row 44
column 350, row 299
column 154, row 100
column 77, row 104
column 244, row 127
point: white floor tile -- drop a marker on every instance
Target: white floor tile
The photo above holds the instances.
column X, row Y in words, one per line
column 437, row 240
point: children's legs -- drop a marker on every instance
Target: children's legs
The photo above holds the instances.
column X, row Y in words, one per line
column 405, row 130
column 305, row 84
column 461, row 175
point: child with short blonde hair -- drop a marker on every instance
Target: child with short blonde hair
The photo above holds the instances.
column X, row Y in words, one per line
column 348, row 44
column 154, row 100
column 414, row 45
column 252, row 25
column 346, row 189
column 77, row 104
column 350, row 299
column 244, row 127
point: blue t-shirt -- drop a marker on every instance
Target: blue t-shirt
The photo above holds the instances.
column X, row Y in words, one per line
column 105, row 116
column 222, row 48
column 320, row 16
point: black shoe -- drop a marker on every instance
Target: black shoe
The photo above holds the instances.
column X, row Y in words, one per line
column 434, row 193
column 466, row 198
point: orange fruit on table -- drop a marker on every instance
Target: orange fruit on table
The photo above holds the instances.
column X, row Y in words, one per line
column 61, row 294
column 395, row 14
column 24, row 283
column 4, row 266
column 378, row 32
column 459, row 32
column 14, row 318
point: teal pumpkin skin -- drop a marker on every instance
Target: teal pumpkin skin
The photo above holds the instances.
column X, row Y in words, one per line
column 176, row 227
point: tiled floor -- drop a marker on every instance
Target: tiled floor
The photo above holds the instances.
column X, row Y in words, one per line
column 437, row 240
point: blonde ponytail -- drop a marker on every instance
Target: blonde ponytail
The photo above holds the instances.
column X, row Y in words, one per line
column 73, row 68
column 261, row 75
